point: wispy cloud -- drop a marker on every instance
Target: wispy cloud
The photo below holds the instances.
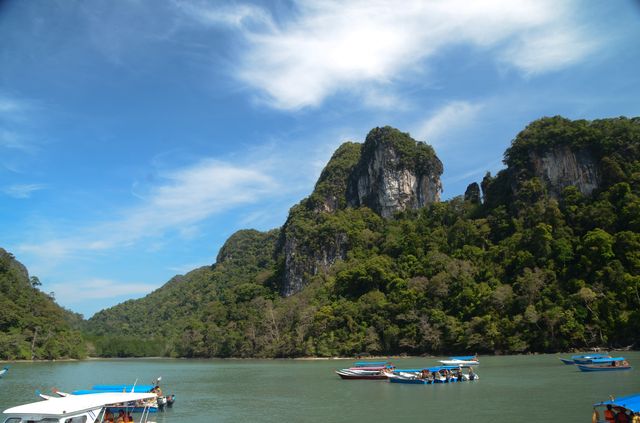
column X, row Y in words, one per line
column 23, row 190
column 97, row 289
column 325, row 47
column 181, row 200
column 451, row 117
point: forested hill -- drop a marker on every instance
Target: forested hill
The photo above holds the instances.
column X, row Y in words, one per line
column 544, row 256
column 32, row 325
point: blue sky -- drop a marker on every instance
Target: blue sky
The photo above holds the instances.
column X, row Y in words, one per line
column 137, row 135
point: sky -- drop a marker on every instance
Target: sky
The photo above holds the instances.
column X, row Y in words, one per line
column 137, row 135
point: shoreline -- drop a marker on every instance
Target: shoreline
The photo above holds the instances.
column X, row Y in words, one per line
column 311, row 358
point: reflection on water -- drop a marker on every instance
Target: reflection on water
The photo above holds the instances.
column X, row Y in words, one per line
column 511, row 389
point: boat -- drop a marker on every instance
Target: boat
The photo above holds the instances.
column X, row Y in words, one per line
column 4, row 371
column 465, row 361
column 160, row 403
column 80, row 408
column 583, row 358
column 431, row 375
column 371, row 373
column 629, row 405
column 373, row 370
column 605, row 365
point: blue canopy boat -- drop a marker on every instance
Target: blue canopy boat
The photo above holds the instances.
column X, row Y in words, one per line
column 583, row 358
column 605, row 365
column 629, row 404
column 427, row 376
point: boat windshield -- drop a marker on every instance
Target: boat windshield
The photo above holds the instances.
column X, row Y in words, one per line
column 46, row 420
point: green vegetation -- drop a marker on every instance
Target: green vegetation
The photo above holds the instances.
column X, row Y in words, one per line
column 522, row 271
column 32, row 325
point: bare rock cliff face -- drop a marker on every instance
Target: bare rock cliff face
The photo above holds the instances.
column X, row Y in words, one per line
column 395, row 173
column 562, row 166
column 390, row 172
column 302, row 262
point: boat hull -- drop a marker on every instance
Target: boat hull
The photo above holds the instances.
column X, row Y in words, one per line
column 410, row 381
column 595, row 368
column 567, row 361
column 362, row 377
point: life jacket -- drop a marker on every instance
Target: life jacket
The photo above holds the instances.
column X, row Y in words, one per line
column 609, row 416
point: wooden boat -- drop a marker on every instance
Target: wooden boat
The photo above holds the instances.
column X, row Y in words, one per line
column 629, row 405
column 605, row 365
column 567, row 361
column 4, row 371
column 80, row 408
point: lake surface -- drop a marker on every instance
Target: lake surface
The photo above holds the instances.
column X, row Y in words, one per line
column 511, row 389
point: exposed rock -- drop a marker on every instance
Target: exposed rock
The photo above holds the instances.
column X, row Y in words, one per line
column 302, row 262
column 472, row 194
column 394, row 173
column 562, row 166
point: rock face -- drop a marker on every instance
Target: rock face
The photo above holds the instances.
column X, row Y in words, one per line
column 390, row 172
column 472, row 194
column 562, row 166
column 301, row 262
column 394, row 173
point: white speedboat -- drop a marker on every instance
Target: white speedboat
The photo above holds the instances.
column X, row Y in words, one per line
column 80, row 408
column 464, row 361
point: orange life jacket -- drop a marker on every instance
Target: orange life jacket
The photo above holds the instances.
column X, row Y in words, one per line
column 609, row 416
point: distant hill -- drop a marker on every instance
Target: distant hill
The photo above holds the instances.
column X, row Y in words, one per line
column 544, row 256
column 32, row 325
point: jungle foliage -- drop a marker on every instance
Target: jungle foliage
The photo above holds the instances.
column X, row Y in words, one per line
column 520, row 272
column 32, row 325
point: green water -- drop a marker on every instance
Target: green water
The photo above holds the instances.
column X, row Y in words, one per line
column 511, row 389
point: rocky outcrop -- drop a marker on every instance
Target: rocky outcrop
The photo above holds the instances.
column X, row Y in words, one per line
column 472, row 194
column 562, row 166
column 302, row 262
column 394, row 173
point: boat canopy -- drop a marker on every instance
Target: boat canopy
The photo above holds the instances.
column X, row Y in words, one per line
column 370, row 363
column 408, row 370
column 464, row 358
column 607, row 360
column 123, row 388
column 630, row 402
column 70, row 405
column 595, row 355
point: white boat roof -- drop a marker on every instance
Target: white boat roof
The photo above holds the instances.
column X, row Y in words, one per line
column 77, row 403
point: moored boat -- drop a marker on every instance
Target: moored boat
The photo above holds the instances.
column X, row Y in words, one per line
column 79, row 408
column 431, row 375
column 362, row 373
column 465, row 361
column 611, row 410
column 605, row 365
column 4, row 371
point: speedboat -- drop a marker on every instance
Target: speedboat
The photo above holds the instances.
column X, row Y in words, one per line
column 465, row 361
column 373, row 373
column 605, row 365
column 439, row 374
column 583, row 358
column 4, row 371
column 80, row 408
column 630, row 405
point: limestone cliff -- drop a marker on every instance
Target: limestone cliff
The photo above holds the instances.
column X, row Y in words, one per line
column 390, row 172
column 562, row 166
column 394, row 173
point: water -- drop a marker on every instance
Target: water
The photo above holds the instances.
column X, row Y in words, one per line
column 511, row 389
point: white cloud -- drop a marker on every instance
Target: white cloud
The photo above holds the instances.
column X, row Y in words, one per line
column 97, row 289
column 23, row 190
column 184, row 198
column 452, row 117
column 325, row 46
